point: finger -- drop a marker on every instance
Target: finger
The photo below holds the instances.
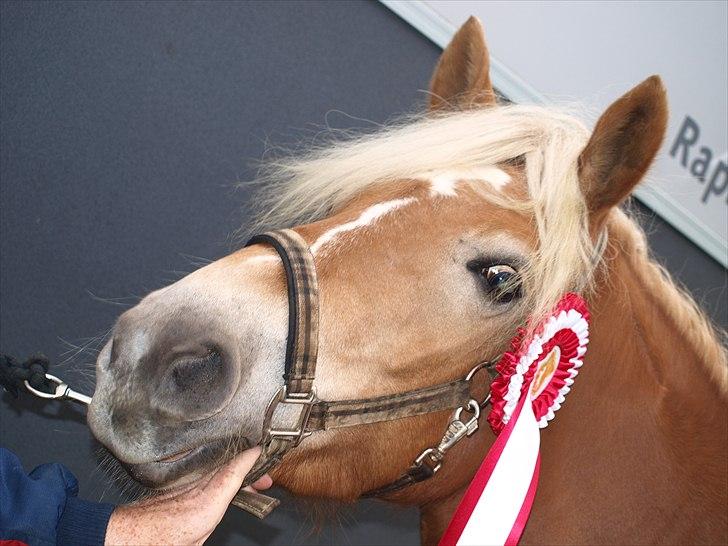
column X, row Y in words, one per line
column 264, row 482
column 227, row 480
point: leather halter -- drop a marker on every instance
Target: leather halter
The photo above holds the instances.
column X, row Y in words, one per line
column 295, row 412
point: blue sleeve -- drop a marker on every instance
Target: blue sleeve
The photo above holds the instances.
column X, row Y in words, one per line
column 42, row 508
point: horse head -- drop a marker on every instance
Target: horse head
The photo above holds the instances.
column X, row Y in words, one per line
column 433, row 240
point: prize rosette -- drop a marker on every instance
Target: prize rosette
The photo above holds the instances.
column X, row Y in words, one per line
column 542, row 366
column 534, row 378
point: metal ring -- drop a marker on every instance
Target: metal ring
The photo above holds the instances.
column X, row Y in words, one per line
column 473, row 407
column 59, row 384
column 481, row 366
column 472, row 373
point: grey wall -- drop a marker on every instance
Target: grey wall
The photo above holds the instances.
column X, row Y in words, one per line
column 124, row 129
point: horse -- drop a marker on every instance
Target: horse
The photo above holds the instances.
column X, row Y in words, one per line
column 433, row 240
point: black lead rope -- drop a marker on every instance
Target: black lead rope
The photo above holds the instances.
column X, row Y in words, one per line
column 14, row 374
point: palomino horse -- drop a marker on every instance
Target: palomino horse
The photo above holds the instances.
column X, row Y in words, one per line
column 432, row 241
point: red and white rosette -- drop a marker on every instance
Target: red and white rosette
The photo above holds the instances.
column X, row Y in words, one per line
column 534, row 378
column 545, row 366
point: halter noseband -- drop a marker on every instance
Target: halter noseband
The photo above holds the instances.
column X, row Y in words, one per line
column 295, row 412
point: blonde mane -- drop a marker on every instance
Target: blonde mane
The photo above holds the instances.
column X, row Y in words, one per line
column 304, row 188
column 297, row 189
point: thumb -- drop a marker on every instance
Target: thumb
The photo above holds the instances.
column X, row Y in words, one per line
column 222, row 487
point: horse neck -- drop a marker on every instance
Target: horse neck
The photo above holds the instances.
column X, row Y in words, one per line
column 664, row 339
column 642, row 435
column 645, row 423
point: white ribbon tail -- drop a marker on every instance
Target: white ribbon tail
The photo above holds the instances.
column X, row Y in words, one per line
column 495, row 508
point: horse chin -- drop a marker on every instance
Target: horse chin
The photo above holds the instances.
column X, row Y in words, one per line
column 184, row 469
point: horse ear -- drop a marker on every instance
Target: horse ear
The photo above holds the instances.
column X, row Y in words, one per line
column 621, row 149
column 462, row 75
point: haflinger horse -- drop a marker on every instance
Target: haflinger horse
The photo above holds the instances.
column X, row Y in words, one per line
column 433, row 240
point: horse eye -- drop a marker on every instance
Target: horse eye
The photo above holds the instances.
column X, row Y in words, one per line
column 502, row 282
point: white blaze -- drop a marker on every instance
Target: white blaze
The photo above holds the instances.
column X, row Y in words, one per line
column 443, row 183
column 367, row 217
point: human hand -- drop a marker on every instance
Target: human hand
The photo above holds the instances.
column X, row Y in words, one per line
column 186, row 517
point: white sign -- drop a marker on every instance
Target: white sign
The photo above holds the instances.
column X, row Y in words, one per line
column 593, row 52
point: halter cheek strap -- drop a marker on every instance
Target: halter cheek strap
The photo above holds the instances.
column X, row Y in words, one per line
column 288, row 411
column 295, row 412
column 303, row 310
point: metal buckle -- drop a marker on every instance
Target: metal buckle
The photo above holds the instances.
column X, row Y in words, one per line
column 456, row 431
column 304, row 403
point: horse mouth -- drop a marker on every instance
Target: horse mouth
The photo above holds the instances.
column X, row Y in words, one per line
column 184, row 467
column 175, row 457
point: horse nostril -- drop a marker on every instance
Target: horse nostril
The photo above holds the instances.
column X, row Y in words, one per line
column 196, row 381
column 194, row 373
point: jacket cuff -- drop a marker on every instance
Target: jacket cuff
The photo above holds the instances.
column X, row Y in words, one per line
column 83, row 522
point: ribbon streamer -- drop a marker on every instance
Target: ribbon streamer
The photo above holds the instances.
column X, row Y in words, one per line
column 497, row 503
column 533, row 382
